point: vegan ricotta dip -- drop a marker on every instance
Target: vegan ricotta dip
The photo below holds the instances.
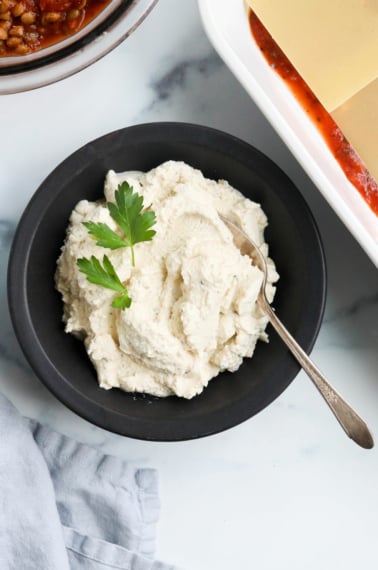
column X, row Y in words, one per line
column 194, row 312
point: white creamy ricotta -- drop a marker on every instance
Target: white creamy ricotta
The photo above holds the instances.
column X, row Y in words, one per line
column 193, row 311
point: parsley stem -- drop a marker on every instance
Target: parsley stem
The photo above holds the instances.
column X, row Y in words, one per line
column 132, row 257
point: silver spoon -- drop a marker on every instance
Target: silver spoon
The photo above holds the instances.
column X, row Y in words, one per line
column 349, row 420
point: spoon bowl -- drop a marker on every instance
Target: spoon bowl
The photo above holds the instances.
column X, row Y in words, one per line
column 349, row 420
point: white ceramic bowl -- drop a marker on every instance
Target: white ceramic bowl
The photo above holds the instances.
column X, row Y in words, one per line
column 226, row 24
column 114, row 24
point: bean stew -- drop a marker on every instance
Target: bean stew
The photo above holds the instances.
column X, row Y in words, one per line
column 27, row 26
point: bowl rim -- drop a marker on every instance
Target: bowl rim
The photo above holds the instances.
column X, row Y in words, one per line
column 67, row 57
column 67, row 393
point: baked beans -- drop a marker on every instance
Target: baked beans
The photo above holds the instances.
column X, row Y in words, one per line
column 29, row 25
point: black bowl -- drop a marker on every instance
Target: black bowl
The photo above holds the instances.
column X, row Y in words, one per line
column 60, row 360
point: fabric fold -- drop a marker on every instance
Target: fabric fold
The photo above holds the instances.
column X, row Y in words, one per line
column 31, row 535
column 109, row 498
column 67, row 506
column 87, row 553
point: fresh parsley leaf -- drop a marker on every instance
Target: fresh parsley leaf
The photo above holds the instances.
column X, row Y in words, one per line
column 122, row 301
column 126, row 212
column 106, row 276
column 104, row 235
column 135, row 226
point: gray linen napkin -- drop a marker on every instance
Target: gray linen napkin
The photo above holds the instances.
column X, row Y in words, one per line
column 67, row 506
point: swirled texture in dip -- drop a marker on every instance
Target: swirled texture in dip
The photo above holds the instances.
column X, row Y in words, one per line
column 193, row 311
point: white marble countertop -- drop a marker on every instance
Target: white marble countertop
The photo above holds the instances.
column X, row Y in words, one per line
column 285, row 490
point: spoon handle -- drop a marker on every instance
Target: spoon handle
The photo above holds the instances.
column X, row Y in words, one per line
column 349, row 420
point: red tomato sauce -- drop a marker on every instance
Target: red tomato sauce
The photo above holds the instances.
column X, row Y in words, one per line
column 341, row 149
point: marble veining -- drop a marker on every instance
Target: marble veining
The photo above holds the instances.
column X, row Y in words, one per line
column 261, row 494
column 360, row 309
column 180, row 75
column 9, row 350
column 366, row 302
column 7, row 229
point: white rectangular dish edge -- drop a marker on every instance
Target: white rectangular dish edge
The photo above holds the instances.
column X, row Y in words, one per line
column 226, row 24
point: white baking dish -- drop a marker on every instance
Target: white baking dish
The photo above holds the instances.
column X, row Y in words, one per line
column 226, row 24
